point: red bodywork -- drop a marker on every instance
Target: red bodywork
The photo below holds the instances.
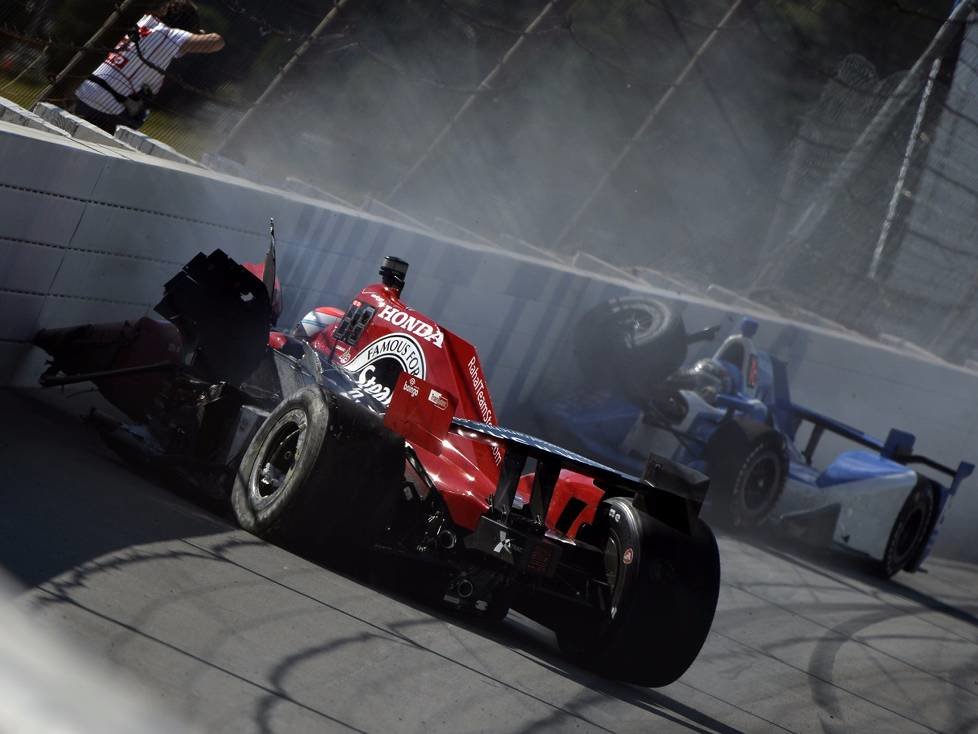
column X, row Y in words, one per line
column 399, row 339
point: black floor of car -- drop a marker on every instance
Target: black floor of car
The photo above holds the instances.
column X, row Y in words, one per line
column 238, row 636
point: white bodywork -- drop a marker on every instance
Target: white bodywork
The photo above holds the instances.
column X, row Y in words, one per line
column 643, row 437
column 868, row 508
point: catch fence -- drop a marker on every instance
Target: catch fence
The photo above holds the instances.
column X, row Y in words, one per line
column 723, row 141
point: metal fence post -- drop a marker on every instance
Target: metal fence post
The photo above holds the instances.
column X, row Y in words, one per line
column 868, row 142
column 469, row 101
column 85, row 49
column 646, row 123
column 274, row 84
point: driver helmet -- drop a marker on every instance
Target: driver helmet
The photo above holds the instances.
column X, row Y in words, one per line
column 316, row 322
column 258, row 270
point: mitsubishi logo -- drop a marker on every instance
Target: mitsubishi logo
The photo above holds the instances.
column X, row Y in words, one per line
column 504, row 545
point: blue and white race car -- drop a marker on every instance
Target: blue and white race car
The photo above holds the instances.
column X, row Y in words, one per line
column 731, row 416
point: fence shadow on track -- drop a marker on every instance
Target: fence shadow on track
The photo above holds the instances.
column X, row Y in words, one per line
column 73, row 512
column 864, row 617
column 67, row 500
column 529, row 641
column 62, row 591
column 273, row 686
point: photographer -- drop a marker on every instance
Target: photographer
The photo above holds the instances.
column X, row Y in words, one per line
column 119, row 91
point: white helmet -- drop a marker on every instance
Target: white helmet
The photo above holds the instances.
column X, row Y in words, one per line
column 317, row 321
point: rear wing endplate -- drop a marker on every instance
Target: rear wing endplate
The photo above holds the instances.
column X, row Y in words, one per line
column 423, row 414
column 671, row 492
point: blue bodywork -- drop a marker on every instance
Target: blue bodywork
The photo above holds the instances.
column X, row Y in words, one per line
column 855, row 466
column 599, row 424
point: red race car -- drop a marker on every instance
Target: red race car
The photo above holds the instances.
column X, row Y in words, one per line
column 370, row 433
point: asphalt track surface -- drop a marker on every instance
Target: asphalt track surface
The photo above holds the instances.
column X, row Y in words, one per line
column 239, row 636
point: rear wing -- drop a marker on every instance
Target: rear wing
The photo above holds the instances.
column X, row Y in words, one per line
column 223, row 313
column 670, row 492
column 897, row 447
column 423, row 414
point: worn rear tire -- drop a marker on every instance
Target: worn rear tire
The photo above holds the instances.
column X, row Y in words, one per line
column 748, row 469
column 637, row 339
column 909, row 531
column 284, row 475
column 665, row 588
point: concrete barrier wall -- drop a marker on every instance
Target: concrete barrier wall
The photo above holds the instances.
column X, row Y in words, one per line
column 90, row 234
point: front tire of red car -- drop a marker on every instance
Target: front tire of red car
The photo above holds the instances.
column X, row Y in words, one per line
column 321, row 476
column 910, row 530
column 664, row 586
column 273, row 495
column 639, row 339
column 748, row 469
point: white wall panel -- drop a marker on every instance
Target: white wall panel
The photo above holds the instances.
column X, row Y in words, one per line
column 28, row 215
column 148, row 235
column 27, row 266
column 111, row 277
column 19, row 315
column 60, row 311
column 39, row 161
column 113, row 228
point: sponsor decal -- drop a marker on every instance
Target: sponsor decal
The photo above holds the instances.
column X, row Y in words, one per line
column 752, row 370
column 378, row 365
column 411, row 387
column 541, row 558
column 628, row 556
column 418, row 327
column 315, row 322
column 479, row 385
column 438, row 399
column 505, row 545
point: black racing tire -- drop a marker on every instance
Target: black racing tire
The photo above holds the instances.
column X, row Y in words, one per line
column 748, row 468
column 496, row 612
column 636, row 339
column 910, row 530
column 665, row 585
column 300, row 486
column 293, row 444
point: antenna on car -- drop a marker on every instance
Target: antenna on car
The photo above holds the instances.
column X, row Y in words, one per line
column 268, row 277
column 393, row 273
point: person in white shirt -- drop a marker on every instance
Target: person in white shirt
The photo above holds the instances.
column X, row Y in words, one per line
column 119, row 90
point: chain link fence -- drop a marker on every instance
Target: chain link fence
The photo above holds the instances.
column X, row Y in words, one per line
column 723, row 141
column 24, row 44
